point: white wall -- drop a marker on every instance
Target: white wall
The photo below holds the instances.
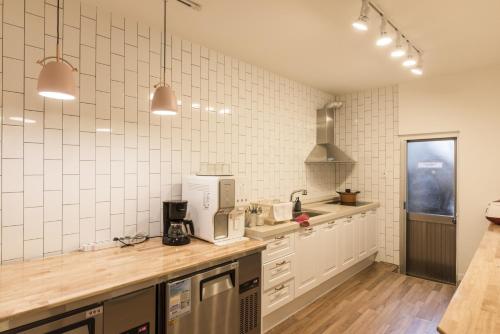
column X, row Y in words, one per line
column 366, row 128
column 468, row 103
column 64, row 182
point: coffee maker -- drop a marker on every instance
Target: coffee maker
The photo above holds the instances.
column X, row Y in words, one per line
column 174, row 225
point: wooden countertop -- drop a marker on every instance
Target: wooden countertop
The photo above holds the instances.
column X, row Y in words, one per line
column 475, row 306
column 45, row 283
column 334, row 211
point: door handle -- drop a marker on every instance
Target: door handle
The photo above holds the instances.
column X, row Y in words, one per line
column 216, row 285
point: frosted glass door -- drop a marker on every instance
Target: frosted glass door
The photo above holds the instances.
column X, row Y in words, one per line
column 431, row 177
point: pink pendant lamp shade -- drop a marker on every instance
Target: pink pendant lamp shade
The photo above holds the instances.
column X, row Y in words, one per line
column 55, row 80
column 164, row 102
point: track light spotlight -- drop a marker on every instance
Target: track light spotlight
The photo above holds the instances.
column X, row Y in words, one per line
column 384, row 38
column 361, row 23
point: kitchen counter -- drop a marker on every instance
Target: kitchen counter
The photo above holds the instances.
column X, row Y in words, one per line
column 38, row 285
column 475, row 306
column 333, row 211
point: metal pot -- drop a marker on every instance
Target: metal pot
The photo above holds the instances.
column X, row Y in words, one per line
column 347, row 196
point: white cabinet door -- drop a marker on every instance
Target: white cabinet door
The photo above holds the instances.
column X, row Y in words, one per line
column 371, row 227
column 360, row 224
column 347, row 237
column 329, row 250
column 307, row 252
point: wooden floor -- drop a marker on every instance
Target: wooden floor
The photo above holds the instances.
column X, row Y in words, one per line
column 377, row 300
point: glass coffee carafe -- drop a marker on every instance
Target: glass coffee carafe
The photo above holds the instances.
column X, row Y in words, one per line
column 177, row 233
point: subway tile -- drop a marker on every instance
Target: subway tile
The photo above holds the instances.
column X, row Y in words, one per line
column 130, row 109
column 12, row 209
column 130, row 186
column 117, row 41
column 88, row 60
column 89, row 10
column 103, row 160
column 71, row 189
column 13, row 75
column 87, row 203
column 12, row 175
column 53, row 114
column 87, row 88
column 53, row 144
column 131, row 58
column 130, row 212
column 103, row 132
column 117, row 200
column 71, row 159
column 33, row 191
column 87, row 146
column 12, row 242
column 103, row 215
column 71, row 242
column 103, row 78
column 72, row 13
column 117, row 147
column 117, row 68
column 32, row 55
column 88, row 32
column 35, row 7
column 131, row 83
column 53, row 174
column 34, row 31
column 117, row 225
column 103, row 23
column 117, row 174
column 87, row 230
column 71, row 130
column 12, row 108
column 103, row 188
column 33, row 223
column 12, row 141
column 33, row 100
column 33, row 159
column 117, row 121
column 103, row 105
column 13, row 45
column 71, row 219
column 71, row 43
column 52, row 236
column 87, row 117
column 52, row 210
column 117, row 94
column 103, row 50
column 33, row 249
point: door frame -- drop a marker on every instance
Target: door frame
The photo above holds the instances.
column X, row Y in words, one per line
column 404, row 139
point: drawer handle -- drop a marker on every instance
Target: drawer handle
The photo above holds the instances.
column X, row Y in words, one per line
column 331, row 223
column 363, row 214
column 280, row 263
column 279, row 288
column 280, row 237
column 309, row 229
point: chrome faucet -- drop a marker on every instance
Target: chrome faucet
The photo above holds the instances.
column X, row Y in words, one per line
column 304, row 192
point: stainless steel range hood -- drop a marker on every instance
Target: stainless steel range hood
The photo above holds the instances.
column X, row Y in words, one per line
column 325, row 150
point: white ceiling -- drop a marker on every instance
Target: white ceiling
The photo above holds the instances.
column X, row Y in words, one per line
column 312, row 40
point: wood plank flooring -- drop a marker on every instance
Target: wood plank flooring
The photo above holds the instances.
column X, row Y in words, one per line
column 376, row 300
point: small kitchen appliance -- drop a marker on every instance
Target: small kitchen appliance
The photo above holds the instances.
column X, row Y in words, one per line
column 212, row 207
column 493, row 212
column 174, row 225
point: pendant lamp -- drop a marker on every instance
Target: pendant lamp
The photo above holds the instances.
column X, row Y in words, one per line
column 55, row 80
column 164, row 102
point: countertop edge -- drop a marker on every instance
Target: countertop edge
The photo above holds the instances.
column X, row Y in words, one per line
column 288, row 227
column 153, row 278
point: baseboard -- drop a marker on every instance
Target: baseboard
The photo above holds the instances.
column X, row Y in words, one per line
column 275, row 318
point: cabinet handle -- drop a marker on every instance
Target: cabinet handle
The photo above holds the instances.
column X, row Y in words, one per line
column 331, row 223
column 363, row 214
column 308, row 229
column 278, row 288
column 280, row 263
column 279, row 237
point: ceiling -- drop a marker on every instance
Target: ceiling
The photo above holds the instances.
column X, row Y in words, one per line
column 312, row 41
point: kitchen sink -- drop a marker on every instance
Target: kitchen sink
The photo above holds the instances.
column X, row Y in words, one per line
column 310, row 213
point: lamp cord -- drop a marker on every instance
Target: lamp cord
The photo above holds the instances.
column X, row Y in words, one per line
column 164, row 42
column 57, row 33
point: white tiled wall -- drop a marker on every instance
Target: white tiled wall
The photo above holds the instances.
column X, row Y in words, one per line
column 367, row 129
column 99, row 167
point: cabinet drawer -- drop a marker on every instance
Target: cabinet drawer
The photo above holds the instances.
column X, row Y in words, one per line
column 277, row 296
column 279, row 246
column 279, row 271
